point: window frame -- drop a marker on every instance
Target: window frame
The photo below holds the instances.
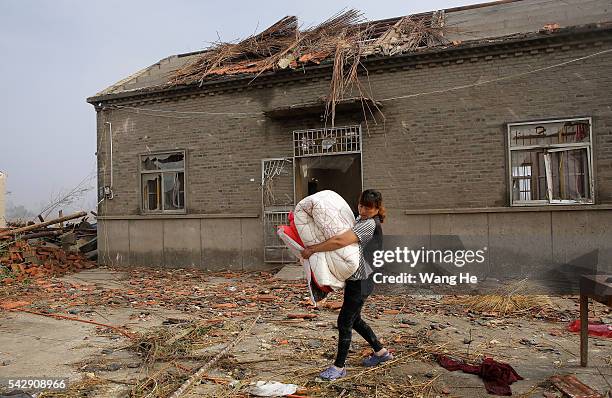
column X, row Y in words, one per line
column 142, row 172
column 550, row 148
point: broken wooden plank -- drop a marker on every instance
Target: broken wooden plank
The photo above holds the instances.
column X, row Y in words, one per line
column 574, row 388
column 301, row 316
column 40, row 234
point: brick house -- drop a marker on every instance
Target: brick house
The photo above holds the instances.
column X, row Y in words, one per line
column 501, row 136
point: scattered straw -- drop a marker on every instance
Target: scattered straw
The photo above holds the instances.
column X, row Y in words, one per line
column 84, row 388
column 164, row 344
column 505, row 301
column 503, row 305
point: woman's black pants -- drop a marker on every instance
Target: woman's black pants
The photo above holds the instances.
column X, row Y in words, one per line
column 355, row 295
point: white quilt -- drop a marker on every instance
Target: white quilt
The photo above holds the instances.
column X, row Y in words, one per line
column 319, row 217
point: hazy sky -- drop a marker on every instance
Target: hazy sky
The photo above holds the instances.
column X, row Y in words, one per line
column 57, row 53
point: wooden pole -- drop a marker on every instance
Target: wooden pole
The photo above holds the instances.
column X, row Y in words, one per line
column 41, row 225
column 197, row 375
column 584, row 330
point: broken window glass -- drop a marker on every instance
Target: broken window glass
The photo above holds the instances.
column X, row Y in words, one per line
column 174, row 191
column 528, row 175
column 165, row 161
column 151, row 192
column 551, row 162
column 570, row 175
column 163, row 182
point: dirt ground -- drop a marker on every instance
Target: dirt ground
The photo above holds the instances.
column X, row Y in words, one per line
column 168, row 323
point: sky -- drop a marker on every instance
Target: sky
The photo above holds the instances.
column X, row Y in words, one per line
column 55, row 54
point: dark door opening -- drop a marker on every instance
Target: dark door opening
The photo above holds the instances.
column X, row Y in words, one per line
column 339, row 173
column 313, row 187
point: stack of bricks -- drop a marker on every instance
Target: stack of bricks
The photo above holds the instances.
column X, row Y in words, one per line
column 25, row 261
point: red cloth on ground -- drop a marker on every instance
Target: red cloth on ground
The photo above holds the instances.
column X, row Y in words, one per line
column 497, row 376
column 595, row 329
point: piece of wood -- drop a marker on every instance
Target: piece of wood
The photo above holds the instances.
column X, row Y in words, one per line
column 40, row 235
column 301, row 316
column 584, row 330
column 574, row 388
column 198, row 375
column 41, row 225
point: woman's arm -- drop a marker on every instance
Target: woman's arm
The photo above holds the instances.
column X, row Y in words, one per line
column 336, row 242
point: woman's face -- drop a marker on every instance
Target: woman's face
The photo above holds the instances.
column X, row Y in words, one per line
column 367, row 211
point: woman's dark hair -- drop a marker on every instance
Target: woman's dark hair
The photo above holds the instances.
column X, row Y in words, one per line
column 373, row 198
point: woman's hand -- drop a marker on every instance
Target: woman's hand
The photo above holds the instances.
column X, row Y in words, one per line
column 334, row 243
column 307, row 252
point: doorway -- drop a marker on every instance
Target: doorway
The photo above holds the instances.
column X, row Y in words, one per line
column 339, row 173
column 325, row 158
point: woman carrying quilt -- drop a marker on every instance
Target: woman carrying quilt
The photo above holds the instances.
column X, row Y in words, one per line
column 367, row 232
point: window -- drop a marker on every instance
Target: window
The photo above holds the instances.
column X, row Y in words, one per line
column 163, row 182
column 550, row 162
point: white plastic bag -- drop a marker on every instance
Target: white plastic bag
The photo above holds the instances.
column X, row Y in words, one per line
column 272, row 389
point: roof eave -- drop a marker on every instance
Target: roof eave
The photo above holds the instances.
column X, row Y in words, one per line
column 472, row 45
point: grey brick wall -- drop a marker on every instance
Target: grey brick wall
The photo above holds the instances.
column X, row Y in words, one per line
column 433, row 151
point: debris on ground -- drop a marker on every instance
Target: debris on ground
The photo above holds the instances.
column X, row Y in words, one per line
column 52, row 247
column 595, row 328
column 204, row 368
column 83, row 388
column 168, row 344
column 497, row 376
column 505, row 302
column 272, row 389
column 177, row 320
column 570, row 386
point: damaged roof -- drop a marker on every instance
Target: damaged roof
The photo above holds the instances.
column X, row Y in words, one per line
column 282, row 46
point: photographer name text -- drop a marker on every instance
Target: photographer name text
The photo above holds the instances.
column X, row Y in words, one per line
column 425, row 278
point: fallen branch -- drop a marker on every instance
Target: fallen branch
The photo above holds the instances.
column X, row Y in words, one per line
column 70, row 318
column 197, row 375
column 42, row 224
column 256, row 361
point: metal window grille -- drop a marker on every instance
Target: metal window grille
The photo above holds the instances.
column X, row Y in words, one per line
column 277, row 182
column 277, row 201
column 522, row 180
column 327, row 141
column 275, row 251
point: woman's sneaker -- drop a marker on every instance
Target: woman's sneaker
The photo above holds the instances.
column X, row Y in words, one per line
column 332, row 373
column 374, row 359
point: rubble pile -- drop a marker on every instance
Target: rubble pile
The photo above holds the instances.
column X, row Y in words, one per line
column 51, row 247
